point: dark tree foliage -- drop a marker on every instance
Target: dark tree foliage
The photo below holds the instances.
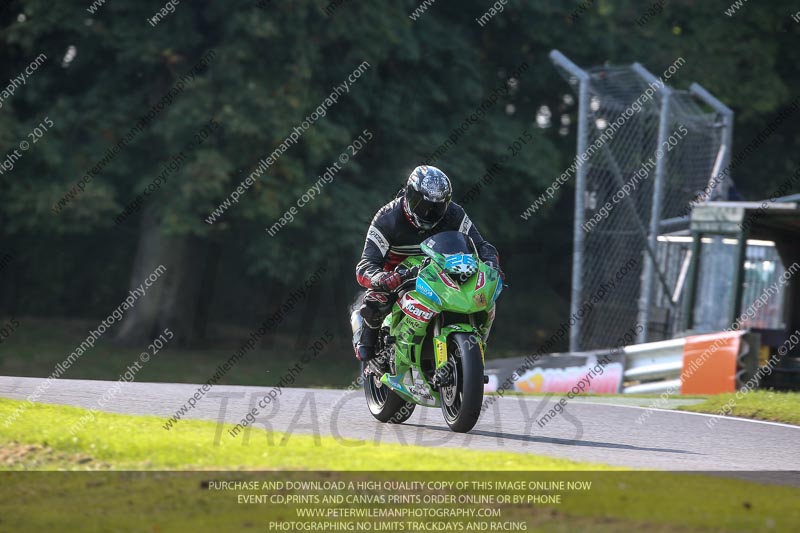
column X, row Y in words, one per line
column 271, row 65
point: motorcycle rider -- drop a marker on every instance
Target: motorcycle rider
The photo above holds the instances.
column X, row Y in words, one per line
column 422, row 209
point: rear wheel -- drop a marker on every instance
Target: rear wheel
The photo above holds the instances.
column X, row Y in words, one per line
column 463, row 396
column 385, row 404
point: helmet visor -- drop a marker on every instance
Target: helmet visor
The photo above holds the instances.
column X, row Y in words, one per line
column 429, row 212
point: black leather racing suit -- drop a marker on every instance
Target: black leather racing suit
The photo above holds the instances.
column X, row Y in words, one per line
column 390, row 239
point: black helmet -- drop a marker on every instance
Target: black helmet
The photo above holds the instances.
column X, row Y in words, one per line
column 427, row 196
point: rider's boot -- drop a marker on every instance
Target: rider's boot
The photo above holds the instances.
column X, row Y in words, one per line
column 366, row 350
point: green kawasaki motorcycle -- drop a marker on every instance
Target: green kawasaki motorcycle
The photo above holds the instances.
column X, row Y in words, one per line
column 434, row 338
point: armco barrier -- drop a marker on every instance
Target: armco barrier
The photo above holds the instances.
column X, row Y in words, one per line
column 700, row 364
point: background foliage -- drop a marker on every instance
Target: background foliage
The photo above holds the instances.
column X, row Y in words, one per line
column 275, row 62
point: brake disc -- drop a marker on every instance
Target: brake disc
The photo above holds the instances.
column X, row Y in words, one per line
column 449, row 391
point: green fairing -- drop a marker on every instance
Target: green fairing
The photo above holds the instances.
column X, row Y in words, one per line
column 410, row 332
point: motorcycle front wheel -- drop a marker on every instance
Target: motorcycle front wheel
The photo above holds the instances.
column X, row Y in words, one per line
column 462, row 398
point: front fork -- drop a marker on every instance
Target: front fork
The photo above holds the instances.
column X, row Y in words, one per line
column 482, row 329
column 444, row 369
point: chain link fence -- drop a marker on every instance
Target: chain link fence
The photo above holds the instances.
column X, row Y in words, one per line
column 632, row 194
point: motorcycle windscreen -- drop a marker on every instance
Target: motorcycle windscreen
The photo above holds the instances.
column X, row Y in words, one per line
column 449, row 242
column 448, row 247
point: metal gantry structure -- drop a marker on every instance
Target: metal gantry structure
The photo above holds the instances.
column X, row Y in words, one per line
column 694, row 131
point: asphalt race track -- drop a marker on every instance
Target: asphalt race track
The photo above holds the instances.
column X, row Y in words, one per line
column 587, row 430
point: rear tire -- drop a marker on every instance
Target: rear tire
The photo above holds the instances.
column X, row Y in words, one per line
column 385, row 404
column 461, row 402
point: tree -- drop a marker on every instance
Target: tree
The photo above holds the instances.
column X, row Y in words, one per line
column 259, row 72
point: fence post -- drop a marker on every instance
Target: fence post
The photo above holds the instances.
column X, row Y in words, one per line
column 646, row 289
column 727, row 134
column 576, row 293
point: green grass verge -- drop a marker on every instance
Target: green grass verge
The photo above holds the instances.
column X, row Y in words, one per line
column 180, row 501
column 760, row 405
column 140, row 442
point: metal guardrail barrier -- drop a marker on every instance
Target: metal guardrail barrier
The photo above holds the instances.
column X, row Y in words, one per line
column 700, row 364
column 654, row 367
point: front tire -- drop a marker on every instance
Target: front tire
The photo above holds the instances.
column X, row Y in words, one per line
column 461, row 401
column 385, row 404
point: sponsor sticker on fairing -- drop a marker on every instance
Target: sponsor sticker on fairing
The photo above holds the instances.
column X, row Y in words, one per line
column 426, row 290
column 441, row 352
column 480, row 299
column 460, row 264
column 447, row 281
column 413, row 308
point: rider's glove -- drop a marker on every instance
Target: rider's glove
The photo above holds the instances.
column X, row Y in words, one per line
column 390, row 281
column 496, row 266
